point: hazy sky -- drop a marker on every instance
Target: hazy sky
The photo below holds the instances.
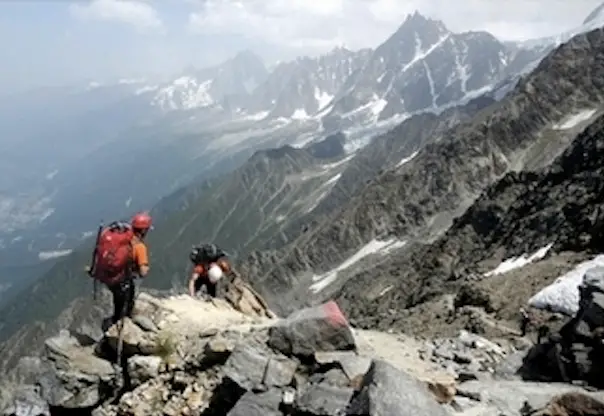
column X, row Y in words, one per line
column 56, row 41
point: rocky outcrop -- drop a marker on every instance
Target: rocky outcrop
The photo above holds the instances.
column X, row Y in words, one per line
column 245, row 299
column 184, row 357
column 180, row 361
column 574, row 353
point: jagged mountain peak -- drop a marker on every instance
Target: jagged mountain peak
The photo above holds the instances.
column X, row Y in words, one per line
column 424, row 66
column 416, row 18
column 223, row 86
column 301, row 88
column 416, row 23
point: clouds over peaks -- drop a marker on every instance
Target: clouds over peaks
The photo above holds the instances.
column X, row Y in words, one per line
column 137, row 13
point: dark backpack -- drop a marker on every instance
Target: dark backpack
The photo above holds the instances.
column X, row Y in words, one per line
column 206, row 253
column 113, row 253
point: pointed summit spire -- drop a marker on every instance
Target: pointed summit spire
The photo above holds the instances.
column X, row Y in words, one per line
column 418, row 23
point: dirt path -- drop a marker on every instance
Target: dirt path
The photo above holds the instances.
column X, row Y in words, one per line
column 185, row 314
column 401, row 351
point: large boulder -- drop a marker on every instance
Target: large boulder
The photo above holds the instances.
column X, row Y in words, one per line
column 252, row 368
column 27, row 402
column 246, row 367
column 386, row 390
column 509, row 397
column 572, row 404
column 320, row 328
column 576, row 352
column 324, row 400
column 351, row 363
column 258, row 404
column 76, row 377
column 135, row 340
column 142, row 368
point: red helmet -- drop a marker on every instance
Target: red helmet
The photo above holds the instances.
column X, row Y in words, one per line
column 141, row 221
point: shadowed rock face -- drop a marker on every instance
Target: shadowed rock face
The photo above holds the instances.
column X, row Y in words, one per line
column 440, row 182
column 329, row 148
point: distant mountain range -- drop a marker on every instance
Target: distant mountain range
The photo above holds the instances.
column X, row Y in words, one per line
column 230, row 111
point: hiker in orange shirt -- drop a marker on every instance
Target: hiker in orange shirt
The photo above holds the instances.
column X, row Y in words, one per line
column 121, row 255
column 210, row 265
column 123, row 298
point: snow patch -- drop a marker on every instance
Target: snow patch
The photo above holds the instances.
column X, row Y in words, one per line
column 52, row 174
column 326, row 188
column 299, row 114
column 378, row 106
column 338, row 163
column 574, row 120
column 47, row 255
column 518, row 262
column 322, row 98
column 407, row 159
column 148, row 88
column 563, row 295
column 128, row 202
column 421, row 54
column 46, row 214
column 333, row 180
column 256, row 116
column 373, row 247
column 184, row 93
column 324, row 112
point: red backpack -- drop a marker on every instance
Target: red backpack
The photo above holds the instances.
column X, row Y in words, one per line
column 113, row 254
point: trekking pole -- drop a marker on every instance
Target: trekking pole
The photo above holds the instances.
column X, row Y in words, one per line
column 91, row 269
column 120, row 336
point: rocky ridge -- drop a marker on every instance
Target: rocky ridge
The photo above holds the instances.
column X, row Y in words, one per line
column 186, row 356
column 556, row 209
column 422, row 67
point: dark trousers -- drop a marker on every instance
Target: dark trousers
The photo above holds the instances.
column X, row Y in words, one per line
column 210, row 287
column 123, row 299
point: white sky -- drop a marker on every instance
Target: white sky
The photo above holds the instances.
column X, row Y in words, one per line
column 60, row 41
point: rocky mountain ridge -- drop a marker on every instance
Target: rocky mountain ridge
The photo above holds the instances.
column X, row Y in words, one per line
column 445, row 177
column 425, row 67
column 185, row 356
column 421, row 67
column 554, row 210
